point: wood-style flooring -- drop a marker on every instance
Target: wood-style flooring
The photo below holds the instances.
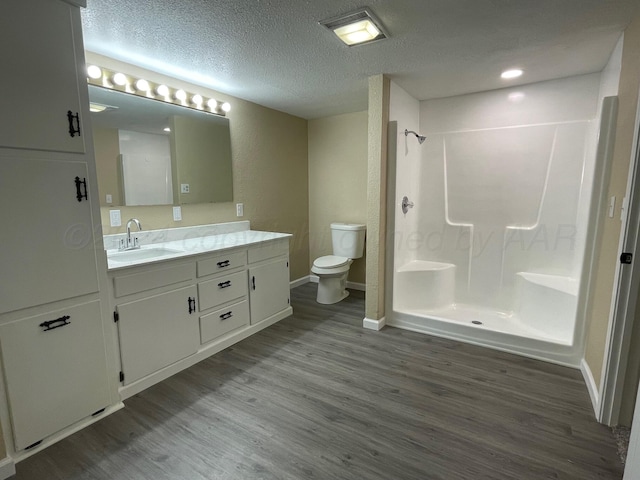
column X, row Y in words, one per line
column 318, row 397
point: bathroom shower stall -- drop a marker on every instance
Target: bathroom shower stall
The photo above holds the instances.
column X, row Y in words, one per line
column 494, row 247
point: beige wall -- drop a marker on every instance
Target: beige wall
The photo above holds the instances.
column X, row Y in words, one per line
column 379, row 88
column 598, row 315
column 337, row 181
column 107, row 150
column 270, row 172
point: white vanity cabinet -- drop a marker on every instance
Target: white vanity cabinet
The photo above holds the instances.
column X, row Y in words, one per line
column 48, row 248
column 173, row 313
column 157, row 331
column 155, row 310
column 222, row 289
column 55, row 360
column 268, row 280
column 55, row 370
column 41, row 47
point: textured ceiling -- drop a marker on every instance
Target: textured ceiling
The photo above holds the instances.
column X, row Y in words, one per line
column 274, row 52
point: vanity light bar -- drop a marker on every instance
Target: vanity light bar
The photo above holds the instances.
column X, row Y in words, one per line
column 103, row 77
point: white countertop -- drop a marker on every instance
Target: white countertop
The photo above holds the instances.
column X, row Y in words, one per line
column 193, row 243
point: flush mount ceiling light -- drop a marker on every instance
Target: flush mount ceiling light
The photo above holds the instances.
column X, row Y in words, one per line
column 356, row 28
column 513, row 73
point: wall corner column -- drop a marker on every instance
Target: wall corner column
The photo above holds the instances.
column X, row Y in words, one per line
column 379, row 88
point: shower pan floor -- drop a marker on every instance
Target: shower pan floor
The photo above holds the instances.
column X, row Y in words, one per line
column 489, row 320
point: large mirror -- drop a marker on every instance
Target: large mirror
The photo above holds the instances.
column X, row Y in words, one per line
column 150, row 152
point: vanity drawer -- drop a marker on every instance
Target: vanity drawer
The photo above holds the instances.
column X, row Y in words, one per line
column 221, row 263
column 222, row 289
column 216, row 324
column 269, row 250
column 157, row 277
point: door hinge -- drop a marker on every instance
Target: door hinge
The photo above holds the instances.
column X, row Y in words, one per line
column 288, row 301
column 626, row 258
column 116, row 316
column 33, row 445
column 121, row 376
column 287, row 264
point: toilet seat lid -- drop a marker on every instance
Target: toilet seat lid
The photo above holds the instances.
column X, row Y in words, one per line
column 330, row 261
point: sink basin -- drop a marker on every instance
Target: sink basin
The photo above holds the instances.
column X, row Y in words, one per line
column 141, row 254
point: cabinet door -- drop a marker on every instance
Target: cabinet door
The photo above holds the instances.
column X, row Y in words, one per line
column 157, row 331
column 47, row 236
column 40, row 79
column 54, row 377
column 268, row 289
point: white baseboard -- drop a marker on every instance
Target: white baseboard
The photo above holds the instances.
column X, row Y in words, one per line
column 352, row 285
column 7, row 468
column 374, row 324
column 592, row 388
column 300, row 281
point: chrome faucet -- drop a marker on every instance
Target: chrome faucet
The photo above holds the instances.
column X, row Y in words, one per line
column 129, row 243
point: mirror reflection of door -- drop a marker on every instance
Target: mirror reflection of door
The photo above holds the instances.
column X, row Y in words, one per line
column 145, row 161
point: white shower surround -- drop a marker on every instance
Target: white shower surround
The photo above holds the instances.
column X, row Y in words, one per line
column 502, row 189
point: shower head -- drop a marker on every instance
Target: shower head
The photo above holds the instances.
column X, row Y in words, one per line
column 421, row 138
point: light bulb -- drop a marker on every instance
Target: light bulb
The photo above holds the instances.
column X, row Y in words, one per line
column 197, row 100
column 162, row 90
column 508, row 74
column 181, row 95
column 212, row 104
column 226, row 107
column 142, row 85
column 120, row 79
column 94, row 72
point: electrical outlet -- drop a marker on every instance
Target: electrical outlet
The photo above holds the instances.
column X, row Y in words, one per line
column 109, row 198
column 239, row 209
column 114, row 216
column 177, row 214
column 184, row 188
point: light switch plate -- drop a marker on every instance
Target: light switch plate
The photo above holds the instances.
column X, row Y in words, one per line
column 184, row 188
column 177, row 214
column 114, row 216
column 109, row 198
column 239, row 209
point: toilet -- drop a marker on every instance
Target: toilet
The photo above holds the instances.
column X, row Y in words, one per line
column 332, row 270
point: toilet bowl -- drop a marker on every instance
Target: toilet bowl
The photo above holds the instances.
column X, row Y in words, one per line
column 333, row 270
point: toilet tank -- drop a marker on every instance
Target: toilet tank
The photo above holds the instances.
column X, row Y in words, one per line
column 348, row 239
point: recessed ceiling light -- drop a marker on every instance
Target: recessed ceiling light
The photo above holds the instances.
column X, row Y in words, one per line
column 514, row 73
column 356, row 28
